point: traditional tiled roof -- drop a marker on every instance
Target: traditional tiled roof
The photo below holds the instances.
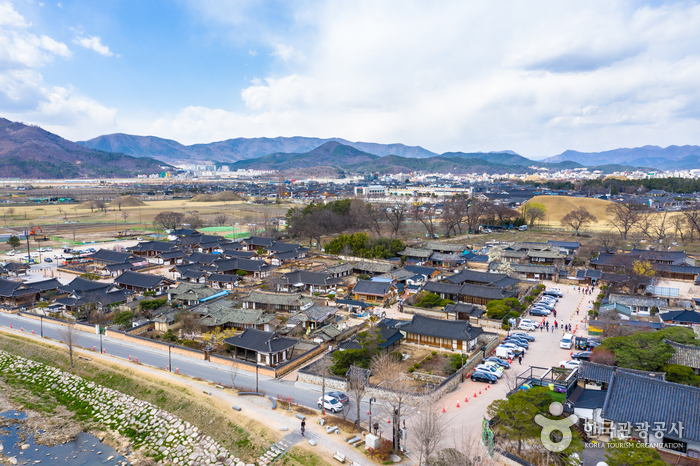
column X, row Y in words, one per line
column 196, row 291
column 477, row 291
column 413, row 252
column 565, row 244
column 388, row 331
column 465, row 309
column 627, row 300
column 258, row 241
column 589, row 273
column 421, row 270
column 261, row 342
column 157, row 246
column 309, row 278
column 685, row 355
column 373, row 267
column 373, row 288
column 440, row 328
column 442, row 257
column 82, row 284
column 468, row 275
column 534, row 268
column 142, row 280
column 445, row 247
column 340, row 268
column 281, row 299
column 601, row 373
column 107, row 255
column 681, row 317
column 637, row 399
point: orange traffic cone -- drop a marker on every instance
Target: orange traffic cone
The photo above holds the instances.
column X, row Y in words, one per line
column 474, row 393
column 488, row 385
column 443, row 408
column 368, row 413
column 458, row 404
column 388, row 421
column 479, row 392
column 466, row 399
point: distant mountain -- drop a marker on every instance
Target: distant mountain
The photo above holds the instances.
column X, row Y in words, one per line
column 669, row 158
column 505, row 157
column 331, row 154
column 233, row 150
column 31, row 152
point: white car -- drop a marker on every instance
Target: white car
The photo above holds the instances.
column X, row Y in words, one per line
column 515, row 348
column 527, row 326
column 486, row 368
column 48, row 250
column 11, row 253
column 529, row 321
column 569, row 364
column 331, row 404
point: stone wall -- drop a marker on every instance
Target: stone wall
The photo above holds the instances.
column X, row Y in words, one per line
column 432, row 378
column 147, row 425
column 154, row 344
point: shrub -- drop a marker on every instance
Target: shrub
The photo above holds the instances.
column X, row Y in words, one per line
column 152, row 304
column 428, row 357
column 123, row 318
column 90, row 276
column 433, row 353
column 411, row 370
column 149, row 293
column 432, row 300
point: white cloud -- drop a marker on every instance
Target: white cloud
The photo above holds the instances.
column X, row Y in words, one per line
column 9, row 17
column 537, row 77
column 93, row 43
column 252, row 52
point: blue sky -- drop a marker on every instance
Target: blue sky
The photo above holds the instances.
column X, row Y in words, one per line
column 536, row 77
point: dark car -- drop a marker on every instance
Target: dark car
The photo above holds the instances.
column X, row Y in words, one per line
column 340, row 396
column 523, row 335
column 539, row 312
column 582, row 356
column 500, row 362
column 518, row 341
column 479, row 376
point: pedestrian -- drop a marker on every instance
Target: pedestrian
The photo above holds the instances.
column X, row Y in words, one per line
column 303, row 427
column 556, row 325
column 520, row 360
column 548, row 326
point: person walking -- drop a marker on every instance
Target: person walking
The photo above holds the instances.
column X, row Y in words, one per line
column 556, row 325
column 548, row 326
column 520, row 360
column 303, row 427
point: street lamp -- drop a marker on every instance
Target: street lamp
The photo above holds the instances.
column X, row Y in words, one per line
column 41, row 319
column 371, row 400
column 101, row 341
column 170, row 364
column 256, row 378
column 462, row 366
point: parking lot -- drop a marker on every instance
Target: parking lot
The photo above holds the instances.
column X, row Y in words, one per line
column 543, row 352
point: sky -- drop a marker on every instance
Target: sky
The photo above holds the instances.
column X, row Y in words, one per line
column 535, row 77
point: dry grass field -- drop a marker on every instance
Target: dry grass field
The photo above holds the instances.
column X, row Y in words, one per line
column 558, row 206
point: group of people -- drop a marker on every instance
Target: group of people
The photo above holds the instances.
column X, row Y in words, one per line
column 584, row 290
column 555, row 326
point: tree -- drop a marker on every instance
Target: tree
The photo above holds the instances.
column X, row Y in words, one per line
column 14, row 242
column 125, row 215
column 395, row 215
column 123, row 318
column 357, row 385
column 681, row 374
column 608, row 241
column 640, row 273
column 533, row 212
column 428, row 427
column 10, row 211
column 401, row 399
column 578, row 218
column 194, row 221
column 623, row 218
column 603, row 356
column 119, row 201
column 69, row 336
column 168, row 220
column 426, row 215
column 220, row 219
column 514, row 417
column 323, row 366
column 633, row 454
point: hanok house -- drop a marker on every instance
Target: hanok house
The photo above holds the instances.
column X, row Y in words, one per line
column 535, row 272
column 681, row 317
column 143, row 282
column 274, row 301
column 222, row 281
column 685, row 355
column 15, row 269
column 170, row 258
column 257, row 243
column 638, row 305
column 191, row 294
column 642, row 407
column 99, row 298
column 446, row 248
column 372, row 268
column 222, row 314
column 454, row 335
column 675, row 265
column 256, row 268
column 389, row 335
column 371, row 291
column 416, row 255
column 313, row 282
column 108, row 257
column 21, row 294
column 312, row 316
column 471, row 294
column 260, row 347
column 340, row 270
column 151, row 249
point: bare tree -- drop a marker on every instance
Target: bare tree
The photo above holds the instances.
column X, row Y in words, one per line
column 608, row 241
column 679, row 224
column 453, row 213
column 401, row 397
column 221, row 219
column 357, row 385
column 69, row 336
column 324, row 365
column 425, row 214
column 692, row 219
column 578, row 218
column 125, row 215
column 233, row 372
column 464, row 450
column 168, row 220
column 623, row 218
column 119, row 201
column 10, row 211
column 428, row 428
column 194, row 221
column 395, row 215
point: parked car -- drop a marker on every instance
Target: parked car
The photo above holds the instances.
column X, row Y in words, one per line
column 518, row 341
column 582, row 356
column 340, row 396
column 527, row 326
column 331, row 404
column 494, row 365
column 524, row 335
column 48, row 249
column 553, row 292
column 499, row 361
column 487, row 377
column 530, row 321
column 567, row 341
column 11, row 253
column 517, row 349
column 504, row 353
column 488, row 368
column 139, row 239
column 48, row 259
column 569, row 364
column 539, row 312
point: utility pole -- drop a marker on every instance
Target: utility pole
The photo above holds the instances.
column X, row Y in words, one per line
column 256, row 378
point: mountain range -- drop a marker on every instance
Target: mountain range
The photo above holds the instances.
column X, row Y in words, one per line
column 31, row 152
column 664, row 158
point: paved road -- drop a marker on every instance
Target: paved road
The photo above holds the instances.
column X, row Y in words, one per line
column 305, row 396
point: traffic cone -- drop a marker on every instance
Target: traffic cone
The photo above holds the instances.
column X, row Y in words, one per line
column 458, row 404
column 479, row 391
column 474, row 393
column 388, row 421
column 488, row 385
column 443, row 408
column 93, row 347
column 368, row 413
column 137, row 359
column 466, row 399
column 177, row 370
column 129, row 357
